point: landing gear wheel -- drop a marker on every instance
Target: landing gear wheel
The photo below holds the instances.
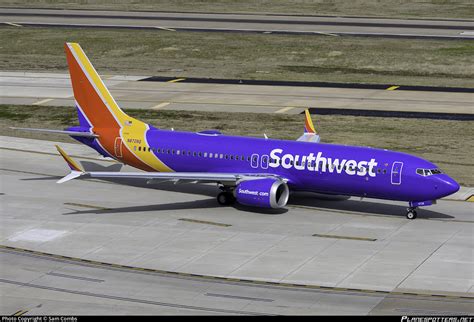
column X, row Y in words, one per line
column 225, row 198
column 411, row 213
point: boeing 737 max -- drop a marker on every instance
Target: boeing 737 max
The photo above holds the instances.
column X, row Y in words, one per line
column 257, row 172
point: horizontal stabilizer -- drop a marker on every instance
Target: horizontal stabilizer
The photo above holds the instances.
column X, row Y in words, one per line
column 73, row 133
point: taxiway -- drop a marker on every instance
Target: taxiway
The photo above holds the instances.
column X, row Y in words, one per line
column 314, row 257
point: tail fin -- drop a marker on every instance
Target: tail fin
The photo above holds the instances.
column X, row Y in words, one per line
column 96, row 106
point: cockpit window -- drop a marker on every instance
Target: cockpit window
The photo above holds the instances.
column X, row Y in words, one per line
column 428, row 172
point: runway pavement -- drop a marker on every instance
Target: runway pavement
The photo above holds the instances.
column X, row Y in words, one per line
column 55, row 89
column 325, row 25
column 356, row 257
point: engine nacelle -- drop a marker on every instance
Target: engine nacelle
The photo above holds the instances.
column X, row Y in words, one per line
column 265, row 193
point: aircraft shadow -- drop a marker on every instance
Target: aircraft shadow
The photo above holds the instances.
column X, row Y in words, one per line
column 195, row 204
column 298, row 198
column 52, row 178
column 362, row 206
column 209, row 190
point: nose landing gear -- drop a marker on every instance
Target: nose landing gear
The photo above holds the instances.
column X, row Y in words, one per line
column 411, row 213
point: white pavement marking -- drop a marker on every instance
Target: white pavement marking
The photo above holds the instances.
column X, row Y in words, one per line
column 43, row 101
column 38, row 235
column 156, row 107
column 164, row 28
column 13, row 24
column 285, row 109
column 326, row 33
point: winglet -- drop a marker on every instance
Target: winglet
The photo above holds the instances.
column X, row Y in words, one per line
column 70, row 162
column 308, row 125
column 310, row 134
column 70, row 176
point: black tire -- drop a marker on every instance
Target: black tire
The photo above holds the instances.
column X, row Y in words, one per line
column 411, row 214
column 223, row 199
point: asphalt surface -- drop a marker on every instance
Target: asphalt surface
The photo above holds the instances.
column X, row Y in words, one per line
column 332, row 26
column 55, row 89
column 354, row 256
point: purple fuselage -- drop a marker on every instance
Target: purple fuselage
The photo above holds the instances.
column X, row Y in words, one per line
column 316, row 167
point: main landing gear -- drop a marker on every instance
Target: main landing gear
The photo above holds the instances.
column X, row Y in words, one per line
column 411, row 213
column 225, row 198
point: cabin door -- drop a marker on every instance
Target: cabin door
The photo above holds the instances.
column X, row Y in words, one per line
column 254, row 160
column 264, row 161
column 118, row 147
column 397, row 173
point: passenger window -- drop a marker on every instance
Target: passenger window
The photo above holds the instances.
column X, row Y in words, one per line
column 221, row 156
column 200, row 154
column 205, row 154
column 139, row 148
column 135, row 148
column 384, row 171
column 194, row 154
column 210, row 155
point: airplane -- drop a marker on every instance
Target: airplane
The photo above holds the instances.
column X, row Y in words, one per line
column 256, row 172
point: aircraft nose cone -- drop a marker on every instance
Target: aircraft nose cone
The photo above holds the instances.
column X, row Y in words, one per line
column 447, row 186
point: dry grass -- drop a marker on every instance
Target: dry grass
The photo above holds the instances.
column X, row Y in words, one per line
column 446, row 143
column 245, row 56
column 386, row 8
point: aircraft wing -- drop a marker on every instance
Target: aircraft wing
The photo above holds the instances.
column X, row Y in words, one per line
column 310, row 134
column 159, row 177
column 73, row 133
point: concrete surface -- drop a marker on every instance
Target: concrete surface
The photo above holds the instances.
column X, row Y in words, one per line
column 55, row 89
column 43, row 286
column 141, row 226
column 443, row 29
